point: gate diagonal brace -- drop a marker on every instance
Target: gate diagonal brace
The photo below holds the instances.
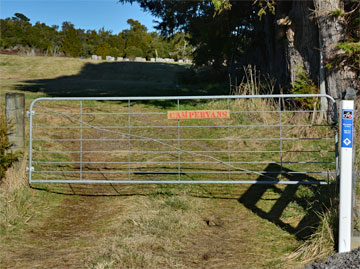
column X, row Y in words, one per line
column 158, row 141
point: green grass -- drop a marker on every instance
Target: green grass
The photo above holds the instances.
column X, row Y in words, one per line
column 53, row 76
column 19, row 204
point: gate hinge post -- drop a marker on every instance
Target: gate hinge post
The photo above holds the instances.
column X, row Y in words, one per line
column 28, row 113
column 31, row 169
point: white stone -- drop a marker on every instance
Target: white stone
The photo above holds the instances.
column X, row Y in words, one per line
column 140, row 59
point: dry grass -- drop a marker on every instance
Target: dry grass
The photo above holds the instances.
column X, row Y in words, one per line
column 150, row 235
column 320, row 244
column 180, row 231
column 15, row 177
column 14, row 198
column 254, row 83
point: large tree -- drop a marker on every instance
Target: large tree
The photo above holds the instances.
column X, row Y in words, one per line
column 71, row 44
column 280, row 37
column 312, row 34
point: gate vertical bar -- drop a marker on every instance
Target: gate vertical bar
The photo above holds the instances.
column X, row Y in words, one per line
column 81, row 139
column 178, row 140
column 229, row 154
column 30, row 141
column 281, row 151
column 346, row 163
column 129, row 140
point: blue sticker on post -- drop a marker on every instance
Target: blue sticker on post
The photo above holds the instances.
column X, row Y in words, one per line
column 347, row 128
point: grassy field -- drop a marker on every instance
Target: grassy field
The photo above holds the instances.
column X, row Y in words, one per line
column 77, row 77
column 147, row 226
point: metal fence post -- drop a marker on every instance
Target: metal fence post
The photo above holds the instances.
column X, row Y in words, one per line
column 346, row 170
column 15, row 116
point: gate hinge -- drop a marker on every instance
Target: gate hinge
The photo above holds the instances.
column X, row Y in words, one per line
column 28, row 113
column 31, row 169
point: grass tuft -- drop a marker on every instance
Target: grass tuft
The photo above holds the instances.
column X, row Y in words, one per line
column 147, row 239
column 14, row 198
column 321, row 243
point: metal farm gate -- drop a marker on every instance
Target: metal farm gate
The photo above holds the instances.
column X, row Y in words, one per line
column 201, row 139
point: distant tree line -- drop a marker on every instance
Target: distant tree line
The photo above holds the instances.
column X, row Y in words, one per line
column 17, row 32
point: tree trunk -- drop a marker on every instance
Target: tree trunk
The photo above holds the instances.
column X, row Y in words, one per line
column 303, row 34
column 312, row 33
column 292, row 41
column 331, row 32
column 302, row 39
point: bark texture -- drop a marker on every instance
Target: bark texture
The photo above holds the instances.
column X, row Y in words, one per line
column 331, row 32
column 290, row 42
column 304, row 34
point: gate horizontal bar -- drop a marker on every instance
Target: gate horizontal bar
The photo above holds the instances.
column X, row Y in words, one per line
column 188, row 151
column 165, row 113
column 187, row 172
column 157, row 98
column 181, row 162
column 159, row 173
column 181, row 126
column 282, row 182
column 188, row 139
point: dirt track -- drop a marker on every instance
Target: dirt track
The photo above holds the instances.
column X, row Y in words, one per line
column 227, row 234
column 63, row 239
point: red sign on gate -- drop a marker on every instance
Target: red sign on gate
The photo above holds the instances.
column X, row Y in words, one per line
column 198, row 114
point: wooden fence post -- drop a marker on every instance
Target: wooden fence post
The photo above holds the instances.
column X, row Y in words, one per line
column 15, row 116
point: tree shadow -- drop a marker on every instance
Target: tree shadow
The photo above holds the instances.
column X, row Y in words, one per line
column 318, row 199
column 123, row 79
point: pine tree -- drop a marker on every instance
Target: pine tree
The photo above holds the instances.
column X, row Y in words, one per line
column 71, row 45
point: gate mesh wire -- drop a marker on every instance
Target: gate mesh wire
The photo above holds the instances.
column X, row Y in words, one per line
column 132, row 141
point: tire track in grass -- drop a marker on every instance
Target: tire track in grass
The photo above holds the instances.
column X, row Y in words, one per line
column 65, row 238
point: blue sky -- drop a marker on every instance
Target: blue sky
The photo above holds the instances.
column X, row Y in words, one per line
column 84, row 14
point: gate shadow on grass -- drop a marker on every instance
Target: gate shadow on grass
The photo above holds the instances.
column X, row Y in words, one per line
column 313, row 199
column 96, row 189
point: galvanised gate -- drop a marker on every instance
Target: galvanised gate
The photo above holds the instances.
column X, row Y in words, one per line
column 199, row 139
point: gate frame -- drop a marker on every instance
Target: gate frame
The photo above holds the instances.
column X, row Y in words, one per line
column 31, row 113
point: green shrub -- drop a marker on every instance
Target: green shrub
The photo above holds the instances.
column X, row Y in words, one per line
column 132, row 52
column 103, row 49
column 6, row 157
column 304, row 85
